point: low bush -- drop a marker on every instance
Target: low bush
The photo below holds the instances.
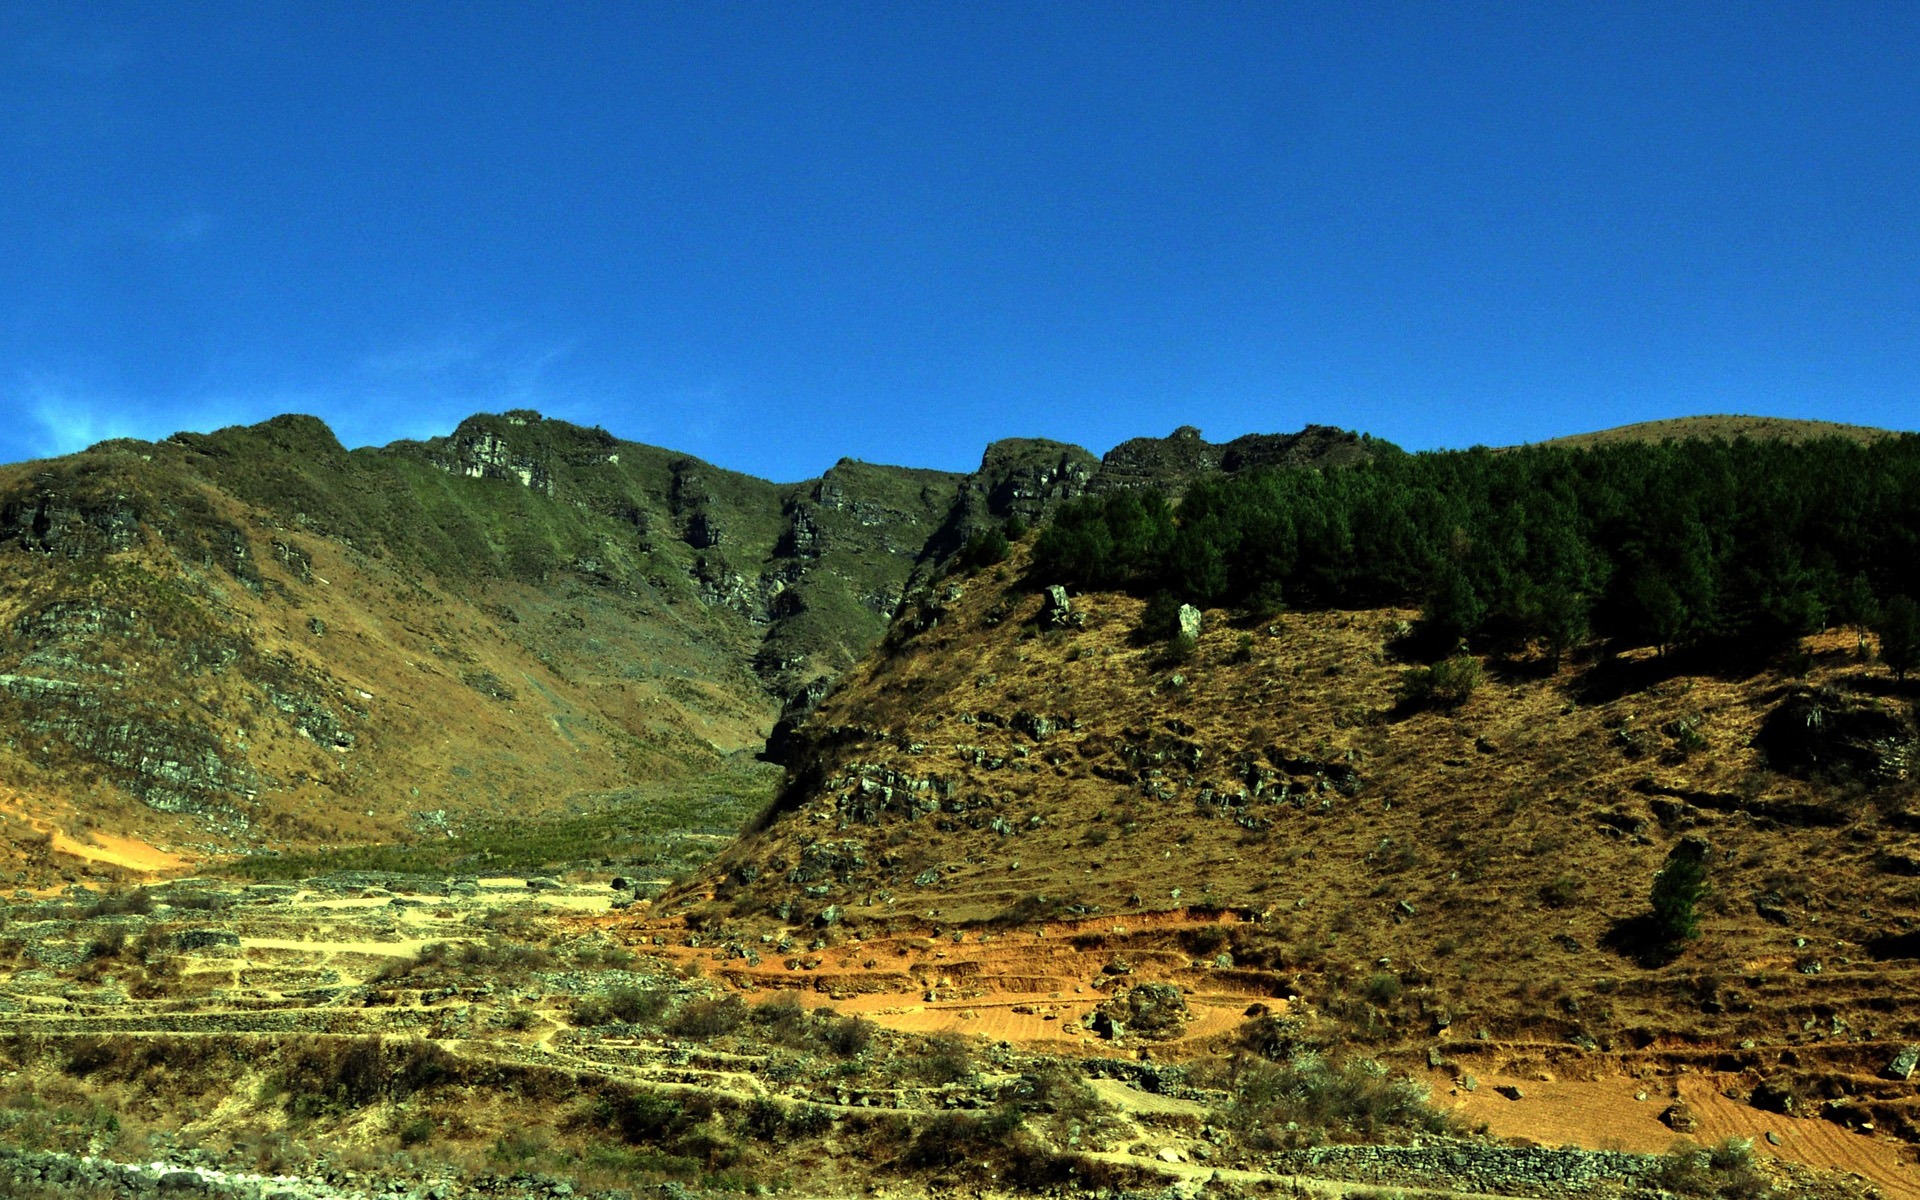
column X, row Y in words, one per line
column 1726, row 1171
column 416, row 1131
column 848, row 1037
column 1561, row 891
column 956, row 1138
column 1383, row 989
column 622, row 1005
column 1159, row 620
column 1310, row 1098
column 1445, row 684
column 783, row 1019
column 325, row 1076
column 984, row 550
column 705, row 1019
column 944, row 1059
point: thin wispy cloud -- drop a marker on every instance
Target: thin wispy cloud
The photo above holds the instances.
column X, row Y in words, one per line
column 63, row 416
column 62, row 423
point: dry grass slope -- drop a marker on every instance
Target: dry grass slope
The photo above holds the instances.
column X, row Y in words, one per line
column 1463, row 886
column 1724, row 426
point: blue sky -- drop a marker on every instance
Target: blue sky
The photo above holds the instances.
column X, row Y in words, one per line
column 775, row 234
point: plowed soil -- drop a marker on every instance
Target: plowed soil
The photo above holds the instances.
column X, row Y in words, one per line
column 1606, row 1114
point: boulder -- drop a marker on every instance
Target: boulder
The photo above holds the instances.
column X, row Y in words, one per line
column 1679, row 1118
column 1903, row 1063
column 1149, row 1010
column 1189, row 621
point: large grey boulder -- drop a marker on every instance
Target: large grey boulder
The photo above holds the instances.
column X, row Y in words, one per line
column 1189, row 621
column 1904, row 1064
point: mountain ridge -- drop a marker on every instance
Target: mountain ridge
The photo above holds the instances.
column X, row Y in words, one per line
column 207, row 638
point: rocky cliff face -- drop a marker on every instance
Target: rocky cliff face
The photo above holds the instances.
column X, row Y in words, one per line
column 1030, row 478
column 1174, row 462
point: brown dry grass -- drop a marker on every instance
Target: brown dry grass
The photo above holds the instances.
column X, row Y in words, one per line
column 393, row 665
column 1724, row 426
column 1465, row 894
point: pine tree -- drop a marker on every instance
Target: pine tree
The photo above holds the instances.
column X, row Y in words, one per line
column 1899, row 631
column 1677, row 889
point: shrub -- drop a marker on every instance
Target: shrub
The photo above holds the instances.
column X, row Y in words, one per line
column 1058, row 1090
column 1686, row 735
column 624, row 1005
column 1561, row 892
column 518, row 1146
column 784, row 1018
column 984, row 550
column 1383, row 989
column 1160, row 620
column 954, row 1138
column 1726, row 1171
column 416, row 1131
column 1677, row 891
column 1268, row 600
column 656, row 1117
column 770, row 1120
column 1180, row 649
column 946, row 1059
column 848, row 1037
column 1444, row 684
column 332, row 1075
column 519, row 1019
column 1899, row 630
column 1307, row 1095
column 108, row 944
column 704, row 1019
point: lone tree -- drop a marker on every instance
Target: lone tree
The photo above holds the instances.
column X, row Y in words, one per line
column 1899, row 631
column 1677, row 889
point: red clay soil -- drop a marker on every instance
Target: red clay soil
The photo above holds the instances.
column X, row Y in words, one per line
column 1606, row 1114
column 1034, row 987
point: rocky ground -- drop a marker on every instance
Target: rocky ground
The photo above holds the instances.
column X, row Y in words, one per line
column 365, row 1037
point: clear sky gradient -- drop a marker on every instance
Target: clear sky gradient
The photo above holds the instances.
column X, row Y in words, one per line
column 772, row 234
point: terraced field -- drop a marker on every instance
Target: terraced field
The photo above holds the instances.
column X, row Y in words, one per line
column 532, row 1031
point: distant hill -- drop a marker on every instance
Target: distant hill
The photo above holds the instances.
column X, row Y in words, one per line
column 1728, row 426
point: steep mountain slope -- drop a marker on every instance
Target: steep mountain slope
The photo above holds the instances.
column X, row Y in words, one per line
column 255, row 638
column 258, row 639
column 1464, row 885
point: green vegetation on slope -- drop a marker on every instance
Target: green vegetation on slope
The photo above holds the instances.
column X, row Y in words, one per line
column 665, row 835
column 1743, row 542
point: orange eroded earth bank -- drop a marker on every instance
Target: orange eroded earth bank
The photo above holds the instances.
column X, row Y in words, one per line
column 1035, row 986
column 115, row 850
column 1604, row 1113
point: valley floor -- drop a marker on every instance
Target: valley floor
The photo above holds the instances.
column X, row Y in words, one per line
column 361, row 1036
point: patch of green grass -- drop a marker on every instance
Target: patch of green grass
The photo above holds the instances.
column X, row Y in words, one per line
column 665, row 834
